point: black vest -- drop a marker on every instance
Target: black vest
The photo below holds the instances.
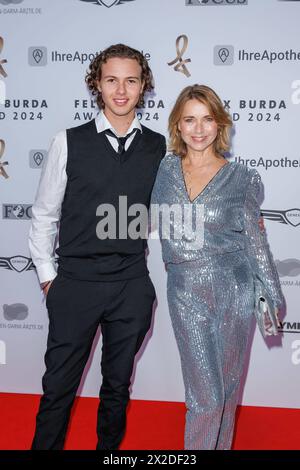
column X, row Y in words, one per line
column 98, row 175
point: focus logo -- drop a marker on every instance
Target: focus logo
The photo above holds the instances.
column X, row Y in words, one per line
column 16, row 211
column 204, row 3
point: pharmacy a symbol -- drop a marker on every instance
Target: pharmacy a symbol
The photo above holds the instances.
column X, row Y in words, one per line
column 38, row 158
column 37, row 54
column 223, row 54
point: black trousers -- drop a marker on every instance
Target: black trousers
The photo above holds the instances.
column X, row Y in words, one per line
column 124, row 310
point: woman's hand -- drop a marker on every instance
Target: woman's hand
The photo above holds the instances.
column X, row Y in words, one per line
column 268, row 323
column 261, row 224
column 277, row 313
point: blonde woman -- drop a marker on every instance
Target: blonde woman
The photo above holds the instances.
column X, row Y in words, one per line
column 210, row 287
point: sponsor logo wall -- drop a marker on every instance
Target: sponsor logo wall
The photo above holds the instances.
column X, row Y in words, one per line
column 250, row 55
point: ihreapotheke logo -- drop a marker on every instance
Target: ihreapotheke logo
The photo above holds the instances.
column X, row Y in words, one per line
column 227, row 55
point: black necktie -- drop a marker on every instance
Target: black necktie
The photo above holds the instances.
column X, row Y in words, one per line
column 121, row 140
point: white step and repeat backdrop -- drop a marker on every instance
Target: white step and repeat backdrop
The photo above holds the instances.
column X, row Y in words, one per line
column 248, row 51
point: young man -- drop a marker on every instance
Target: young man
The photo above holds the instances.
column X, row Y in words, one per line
column 98, row 281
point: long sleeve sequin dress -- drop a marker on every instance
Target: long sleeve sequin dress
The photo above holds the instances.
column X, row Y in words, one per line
column 211, row 293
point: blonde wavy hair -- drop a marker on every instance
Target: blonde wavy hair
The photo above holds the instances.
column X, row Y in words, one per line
column 208, row 97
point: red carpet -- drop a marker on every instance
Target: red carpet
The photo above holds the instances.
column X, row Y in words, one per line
column 152, row 425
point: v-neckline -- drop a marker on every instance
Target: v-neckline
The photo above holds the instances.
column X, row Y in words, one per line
column 191, row 201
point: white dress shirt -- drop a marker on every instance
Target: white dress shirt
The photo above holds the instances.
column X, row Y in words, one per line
column 46, row 209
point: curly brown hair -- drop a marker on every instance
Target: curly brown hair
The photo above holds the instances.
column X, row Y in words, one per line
column 125, row 52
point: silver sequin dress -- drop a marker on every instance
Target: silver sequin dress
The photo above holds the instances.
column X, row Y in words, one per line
column 211, row 294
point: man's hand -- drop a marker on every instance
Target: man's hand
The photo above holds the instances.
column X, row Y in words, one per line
column 46, row 286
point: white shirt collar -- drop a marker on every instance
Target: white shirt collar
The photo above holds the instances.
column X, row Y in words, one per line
column 102, row 124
